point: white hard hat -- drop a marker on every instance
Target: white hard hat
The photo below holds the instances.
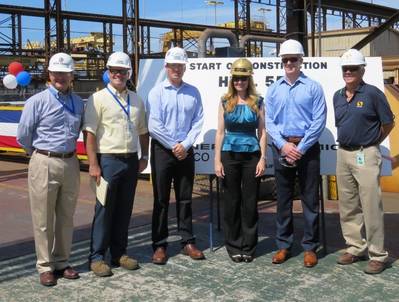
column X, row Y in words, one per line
column 119, row 59
column 61, row 62
column 291, row 47
column 352, row 57
column 176, row 55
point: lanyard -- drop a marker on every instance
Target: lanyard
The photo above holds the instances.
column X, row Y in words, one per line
column 70, row 109
column 127, row 111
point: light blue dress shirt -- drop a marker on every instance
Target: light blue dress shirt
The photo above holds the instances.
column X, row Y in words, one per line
column 175, row 114
column 295, row 110
column 47, row 125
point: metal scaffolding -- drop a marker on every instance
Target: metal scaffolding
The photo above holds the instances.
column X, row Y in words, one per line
column 291, row 21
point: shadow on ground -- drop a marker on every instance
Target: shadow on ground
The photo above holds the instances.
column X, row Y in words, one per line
column 214, row 279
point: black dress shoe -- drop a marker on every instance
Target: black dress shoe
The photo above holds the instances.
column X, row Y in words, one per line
column 236, row 258
column 247, row 258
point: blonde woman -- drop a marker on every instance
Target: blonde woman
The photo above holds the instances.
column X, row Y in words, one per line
column 240, row 158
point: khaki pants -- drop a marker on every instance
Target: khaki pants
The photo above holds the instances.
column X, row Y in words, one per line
column 360, row 206
column 53, row 192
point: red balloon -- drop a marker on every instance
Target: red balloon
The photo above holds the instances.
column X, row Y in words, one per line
column 15, row 68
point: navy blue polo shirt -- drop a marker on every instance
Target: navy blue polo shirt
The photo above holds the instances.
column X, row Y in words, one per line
column 359, row 120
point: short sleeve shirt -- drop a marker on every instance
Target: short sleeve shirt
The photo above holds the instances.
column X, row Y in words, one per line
column 104, row 117
column 359, row 120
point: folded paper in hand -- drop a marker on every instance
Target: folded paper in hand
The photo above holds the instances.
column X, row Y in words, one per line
column 100, row 190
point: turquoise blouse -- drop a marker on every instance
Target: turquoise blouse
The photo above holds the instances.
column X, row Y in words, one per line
column 241, row 125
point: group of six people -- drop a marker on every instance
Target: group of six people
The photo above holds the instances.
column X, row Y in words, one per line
column 116, row 123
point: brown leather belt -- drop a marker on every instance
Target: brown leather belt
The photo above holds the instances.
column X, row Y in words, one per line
column 293, row 139
column 55, row 154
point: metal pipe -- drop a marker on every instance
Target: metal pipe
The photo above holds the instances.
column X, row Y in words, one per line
column 68, row 35
column 217, row 33
column 319, row 21
column 248, row 23
column 104, row 39
column 19, row 35
column 124, row 26
column 137, row 41
column 59, row 26
column 312, row 26
column 13, row 32
column 47, row 39
column 111, row 39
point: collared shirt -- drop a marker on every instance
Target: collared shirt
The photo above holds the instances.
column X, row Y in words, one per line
column 105, row 118
column 47, row 124
column 295, row 110
column 175, row 114
column 359, row 121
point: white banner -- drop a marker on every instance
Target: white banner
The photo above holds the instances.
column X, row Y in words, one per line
column 211, row 75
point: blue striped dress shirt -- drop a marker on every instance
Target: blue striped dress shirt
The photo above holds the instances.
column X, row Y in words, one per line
column 47, row 125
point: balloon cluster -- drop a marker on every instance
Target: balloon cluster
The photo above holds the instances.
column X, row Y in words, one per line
column 17, row 76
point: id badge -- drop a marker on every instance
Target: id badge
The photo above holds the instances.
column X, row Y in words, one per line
column 360, row 158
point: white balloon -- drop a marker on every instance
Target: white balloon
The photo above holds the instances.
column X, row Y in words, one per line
column 10, row 81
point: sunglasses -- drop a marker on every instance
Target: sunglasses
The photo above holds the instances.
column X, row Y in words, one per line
column 291, row 59
column 120, row 71
column 242, row 78
column 350, row 68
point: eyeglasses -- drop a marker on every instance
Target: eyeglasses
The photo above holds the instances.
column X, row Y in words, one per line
column 120, row 71
column 291, row 59
column 175, row 65
column 350, row 68
column 240, row 78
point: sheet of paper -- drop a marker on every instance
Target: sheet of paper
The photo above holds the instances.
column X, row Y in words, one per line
column 100, row 190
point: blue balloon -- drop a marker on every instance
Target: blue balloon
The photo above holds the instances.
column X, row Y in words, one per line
column 23, row 78
column 106, row 77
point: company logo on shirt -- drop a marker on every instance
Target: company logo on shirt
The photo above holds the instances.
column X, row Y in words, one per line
column 359, row 104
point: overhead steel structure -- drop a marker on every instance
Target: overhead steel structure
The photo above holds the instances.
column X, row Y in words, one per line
column 291, row 21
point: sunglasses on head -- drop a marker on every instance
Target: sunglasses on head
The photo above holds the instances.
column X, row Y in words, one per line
column 240, row 78
column 120, row 71
column 350, row 68
column 291, row 59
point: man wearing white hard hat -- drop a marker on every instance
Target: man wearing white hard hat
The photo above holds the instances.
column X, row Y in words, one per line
column 175, row 118
column 114, row 126
column 295, row 118
column 48, row 130
column 363, row 119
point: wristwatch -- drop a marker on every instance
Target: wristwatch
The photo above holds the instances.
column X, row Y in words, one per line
column 145, row 157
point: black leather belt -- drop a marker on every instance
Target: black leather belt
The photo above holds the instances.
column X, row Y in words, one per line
column 354, row 148
column 55, row 154
column 120, row 155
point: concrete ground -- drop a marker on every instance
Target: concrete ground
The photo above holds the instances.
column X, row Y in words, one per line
column 214, row 279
